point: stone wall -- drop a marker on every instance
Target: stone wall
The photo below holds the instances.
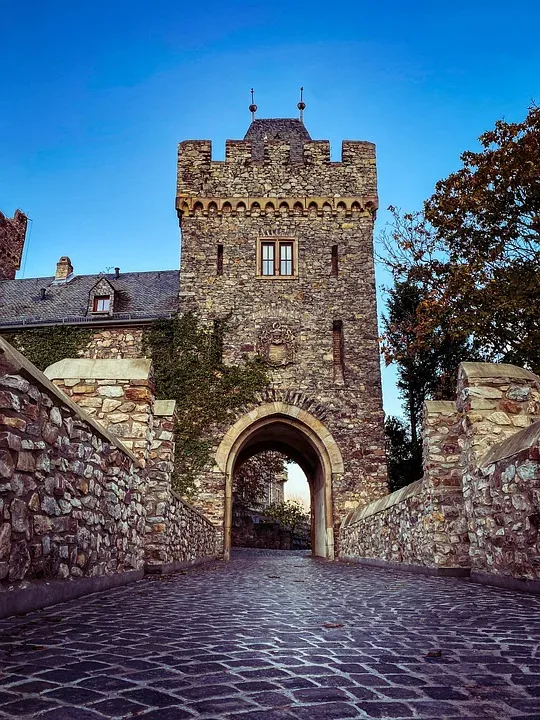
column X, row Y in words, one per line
column 478, row 504
column 112, row 343
column 75, row 502
column 117, row 393
column 176, row 533
column 424, row 523
column 505, row 513
column 12, row 236
column 70, row 493
column 501, row 404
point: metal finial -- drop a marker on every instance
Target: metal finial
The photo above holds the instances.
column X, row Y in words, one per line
column 301, row 105
column 252, row 107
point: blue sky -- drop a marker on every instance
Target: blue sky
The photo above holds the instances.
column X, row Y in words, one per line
column 95, row 97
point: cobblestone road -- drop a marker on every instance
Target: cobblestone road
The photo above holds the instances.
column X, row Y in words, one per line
column 274, row 636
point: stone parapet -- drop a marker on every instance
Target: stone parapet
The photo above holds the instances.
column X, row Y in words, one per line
column 309, row 173
column 478, row 503
column 70, row 495
column 504, row 508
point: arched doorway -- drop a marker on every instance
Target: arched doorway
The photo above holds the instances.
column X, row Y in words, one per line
column 300, row 436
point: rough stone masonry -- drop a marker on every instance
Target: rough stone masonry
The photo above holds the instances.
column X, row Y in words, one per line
column 279, row 240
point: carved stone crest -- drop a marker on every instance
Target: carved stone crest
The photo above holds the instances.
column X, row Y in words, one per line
column 277, row 344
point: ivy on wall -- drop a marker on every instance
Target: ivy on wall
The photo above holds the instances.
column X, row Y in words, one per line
column 47, row 345
column 188, row 368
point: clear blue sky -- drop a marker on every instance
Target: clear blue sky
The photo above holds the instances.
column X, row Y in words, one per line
column 94, row 98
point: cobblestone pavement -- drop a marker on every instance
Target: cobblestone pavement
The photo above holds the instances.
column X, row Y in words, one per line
column 273, row 636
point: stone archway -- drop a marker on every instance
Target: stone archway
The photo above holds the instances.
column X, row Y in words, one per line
column 302, row 437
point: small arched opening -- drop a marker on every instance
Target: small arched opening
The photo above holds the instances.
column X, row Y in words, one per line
column 302, row 438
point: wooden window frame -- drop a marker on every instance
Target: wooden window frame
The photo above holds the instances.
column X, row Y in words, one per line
column 95, row 303
column 277, row 243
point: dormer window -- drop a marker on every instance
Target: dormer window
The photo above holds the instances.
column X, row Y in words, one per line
column 102, row 303
column 101, row 298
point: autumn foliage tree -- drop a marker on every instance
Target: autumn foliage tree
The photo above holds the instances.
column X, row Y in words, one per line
column 474, row 251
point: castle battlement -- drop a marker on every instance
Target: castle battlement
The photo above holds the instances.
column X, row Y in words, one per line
column 276, row 168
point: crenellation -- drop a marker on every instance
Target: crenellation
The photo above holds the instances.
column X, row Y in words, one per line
column 276, row 168
column 317, row 152
column 238, row 151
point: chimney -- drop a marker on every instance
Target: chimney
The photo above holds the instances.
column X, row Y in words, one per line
column 116, row 273
column 42, row 293
column 64, row 268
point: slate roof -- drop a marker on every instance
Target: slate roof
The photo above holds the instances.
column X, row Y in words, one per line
column 289, row 129
column 139, row 296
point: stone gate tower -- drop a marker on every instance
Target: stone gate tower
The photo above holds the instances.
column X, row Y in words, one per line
column 281, row 239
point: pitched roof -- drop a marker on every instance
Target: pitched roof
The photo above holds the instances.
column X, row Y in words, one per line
column 138, row 296
column 289, row 130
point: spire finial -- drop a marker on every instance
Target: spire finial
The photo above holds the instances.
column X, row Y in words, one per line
column 252, row 107
column 301, row 105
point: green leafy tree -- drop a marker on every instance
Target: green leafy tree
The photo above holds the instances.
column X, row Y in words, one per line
column 290, row 513
column 253, row 477
column 427, row 369
column 403, row 456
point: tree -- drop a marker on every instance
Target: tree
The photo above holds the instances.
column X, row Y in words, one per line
column 290, row 513
column 427, row 369
column 475, row 250
column 254, row 475
column 403, row 456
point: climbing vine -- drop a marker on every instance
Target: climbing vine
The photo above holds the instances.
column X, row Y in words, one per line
column 47, row 345
column 188, row 368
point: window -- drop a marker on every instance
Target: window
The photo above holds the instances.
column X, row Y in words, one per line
column 219, row 268
column 277, row 258
column 102, row 303
column 334, row 268
column 337, row 350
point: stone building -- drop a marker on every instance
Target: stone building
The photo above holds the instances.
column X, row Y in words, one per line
column 114, row 306
column 279, row 239
column 12, row 236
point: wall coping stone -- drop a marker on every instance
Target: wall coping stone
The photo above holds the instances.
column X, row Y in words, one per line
column 15, row 362
column 98, row 369
column 193, row 509
column 442, row 407
column 164, row 408
column 383, row 503
column 495, row 370
column 522, row 440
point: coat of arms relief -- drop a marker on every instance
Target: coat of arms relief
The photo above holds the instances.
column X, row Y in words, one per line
column 277, row 343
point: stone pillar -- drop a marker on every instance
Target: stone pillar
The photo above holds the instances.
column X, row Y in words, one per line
column 158, row 497
column 119, row 394
column 441, row 432
column 496, row 402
